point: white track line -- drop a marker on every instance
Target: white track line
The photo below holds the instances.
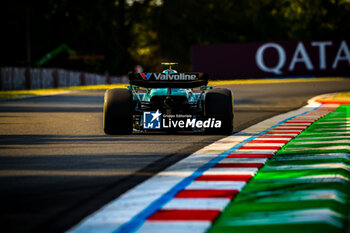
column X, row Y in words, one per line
column 215, row 185
column 197, row 203
column 175, row 227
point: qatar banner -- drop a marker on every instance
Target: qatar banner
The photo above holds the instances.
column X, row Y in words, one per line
column 273, row 59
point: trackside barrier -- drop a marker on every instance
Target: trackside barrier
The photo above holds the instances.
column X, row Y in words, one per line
column 20, row 78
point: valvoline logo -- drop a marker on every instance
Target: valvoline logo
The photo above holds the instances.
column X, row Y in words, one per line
column 146, row 76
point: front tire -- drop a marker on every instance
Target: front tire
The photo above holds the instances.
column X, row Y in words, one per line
column 117, row 112
column 219, row 105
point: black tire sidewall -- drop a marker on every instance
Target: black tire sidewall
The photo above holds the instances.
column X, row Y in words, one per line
column 219, row 105
column 118, row 111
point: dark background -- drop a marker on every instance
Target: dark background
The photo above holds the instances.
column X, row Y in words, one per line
column 126, row 33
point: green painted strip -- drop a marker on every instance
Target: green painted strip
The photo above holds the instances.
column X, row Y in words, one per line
column 336, row 157
column 302, row 166
column 299, row 161
column 244, row 208
column 290, row 196
column 320, row 139
column 261, row 185
column 268, row 174
column 305, row 187
column 335, row 124
column 317, row 142
column 316, row 151
column 309, row 220
column 313, row 134
column 317, row 145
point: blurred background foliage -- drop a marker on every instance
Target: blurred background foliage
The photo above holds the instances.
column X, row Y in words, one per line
column 130, row 32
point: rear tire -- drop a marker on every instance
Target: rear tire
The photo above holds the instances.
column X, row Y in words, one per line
column 219, row 105
column 117, row 112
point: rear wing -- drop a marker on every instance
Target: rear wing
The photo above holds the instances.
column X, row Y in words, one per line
column 162, row 80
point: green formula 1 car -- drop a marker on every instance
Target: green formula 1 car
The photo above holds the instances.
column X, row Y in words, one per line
column 168, row 101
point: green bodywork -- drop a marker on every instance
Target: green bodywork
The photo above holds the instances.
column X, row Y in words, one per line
column 188, row 93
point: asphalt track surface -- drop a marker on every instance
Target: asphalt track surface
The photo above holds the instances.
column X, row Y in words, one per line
column 57, row 166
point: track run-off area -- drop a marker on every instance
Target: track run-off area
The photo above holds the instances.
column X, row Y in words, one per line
column 59, row 172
